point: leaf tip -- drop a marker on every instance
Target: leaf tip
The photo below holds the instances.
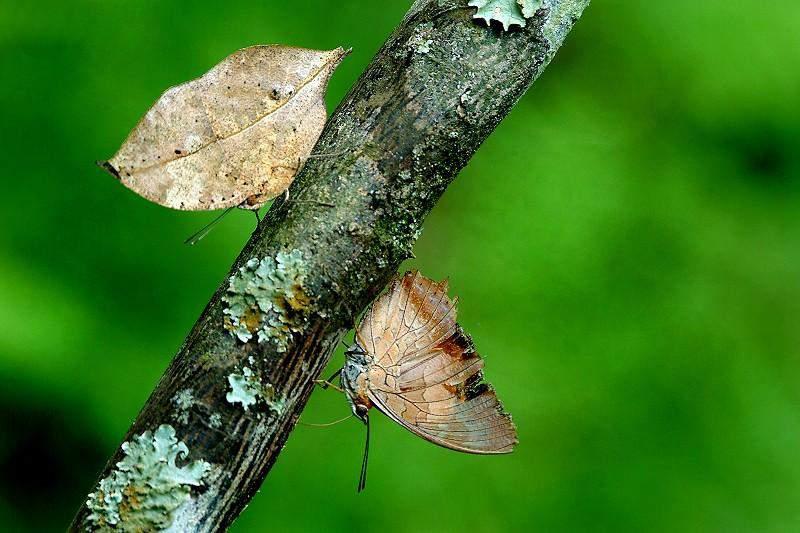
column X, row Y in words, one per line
column 108, row 167
column 338, row 54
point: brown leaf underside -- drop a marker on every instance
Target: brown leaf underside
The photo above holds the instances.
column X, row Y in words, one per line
column 426, row 374
column 237, row 135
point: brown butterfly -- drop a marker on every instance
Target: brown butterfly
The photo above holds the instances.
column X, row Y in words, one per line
column 234, row 136
column 415, row 364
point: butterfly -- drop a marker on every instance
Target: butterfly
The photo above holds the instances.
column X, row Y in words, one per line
column 235, row 137
column 413, row 362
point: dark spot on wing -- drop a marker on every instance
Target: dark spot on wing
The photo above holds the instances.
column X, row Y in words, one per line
column 458, row 345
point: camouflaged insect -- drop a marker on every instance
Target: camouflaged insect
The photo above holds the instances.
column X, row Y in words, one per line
column 415, row 364
column 235, row 136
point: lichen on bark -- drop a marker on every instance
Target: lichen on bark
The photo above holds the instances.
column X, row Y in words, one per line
column 147, row 486
column 267, row 298
column 184, row 400
column 245, row 388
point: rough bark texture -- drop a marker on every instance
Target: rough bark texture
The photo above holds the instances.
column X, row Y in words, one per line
column 434, row 92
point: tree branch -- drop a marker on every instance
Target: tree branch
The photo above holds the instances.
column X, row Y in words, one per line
column 440, row 84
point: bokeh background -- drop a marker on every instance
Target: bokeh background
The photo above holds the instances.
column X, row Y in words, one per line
column 626, row 247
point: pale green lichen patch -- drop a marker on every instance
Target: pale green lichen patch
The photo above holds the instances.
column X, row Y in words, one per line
column 267, row 299
column 560, row 16
column 184, row 400
column 147, row 486
column 529, row 7
column 215, row 421
column 189, row 516
column 419, row 42
column 424, row 46
column 245, row 388
column 506, row 12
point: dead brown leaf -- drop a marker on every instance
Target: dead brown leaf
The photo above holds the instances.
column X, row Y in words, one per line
column 235, row 136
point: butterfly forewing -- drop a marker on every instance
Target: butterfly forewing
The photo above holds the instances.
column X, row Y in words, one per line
column 425, row 373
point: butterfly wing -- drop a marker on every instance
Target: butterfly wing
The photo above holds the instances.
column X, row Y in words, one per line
column 236, row 134
column 425, row 373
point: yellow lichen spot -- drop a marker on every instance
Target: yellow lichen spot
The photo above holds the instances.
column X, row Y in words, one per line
column 267, row 299
column 252, row 319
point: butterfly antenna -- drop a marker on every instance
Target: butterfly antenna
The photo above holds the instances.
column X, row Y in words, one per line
column 327, row 424
column 205, row 230
column 362, row 480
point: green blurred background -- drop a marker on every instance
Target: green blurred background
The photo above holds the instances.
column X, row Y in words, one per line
column 626, row 247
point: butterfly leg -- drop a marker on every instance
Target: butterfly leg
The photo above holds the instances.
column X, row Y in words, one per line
column 205, row 230
column 325, row 383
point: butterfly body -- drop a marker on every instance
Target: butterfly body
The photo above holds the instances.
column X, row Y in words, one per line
column 354, row 376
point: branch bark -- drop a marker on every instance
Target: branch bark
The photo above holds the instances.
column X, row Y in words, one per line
column 440, row 84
